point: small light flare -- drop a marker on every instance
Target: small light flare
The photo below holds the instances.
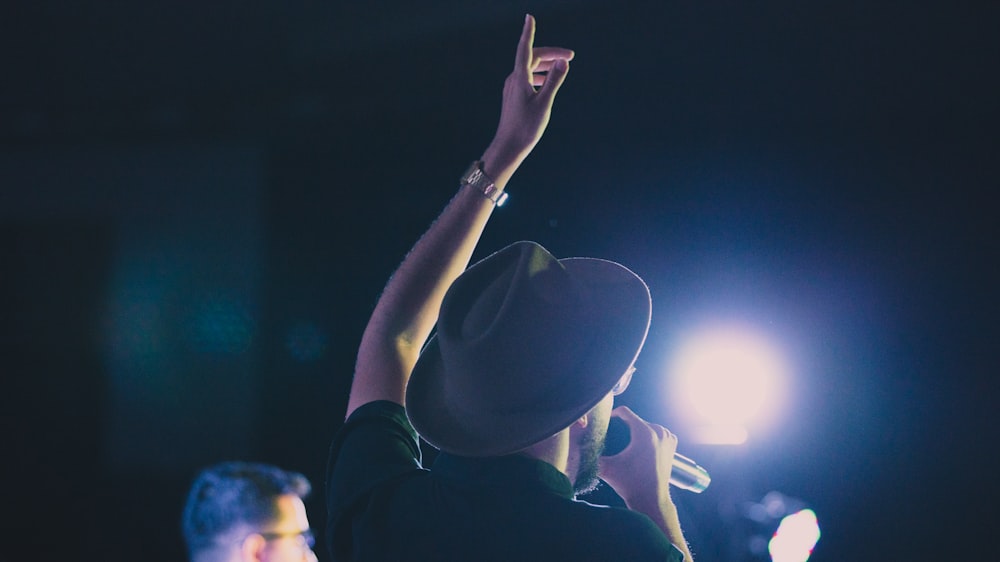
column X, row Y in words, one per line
column 795, row 538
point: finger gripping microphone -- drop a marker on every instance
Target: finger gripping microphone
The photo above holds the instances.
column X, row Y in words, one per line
column 686, row 474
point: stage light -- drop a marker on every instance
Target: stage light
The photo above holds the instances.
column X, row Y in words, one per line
column 724, row 379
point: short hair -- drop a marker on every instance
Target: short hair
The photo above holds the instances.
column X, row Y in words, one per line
column 228, row 496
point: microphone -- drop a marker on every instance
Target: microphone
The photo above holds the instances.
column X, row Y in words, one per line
column 686, row 474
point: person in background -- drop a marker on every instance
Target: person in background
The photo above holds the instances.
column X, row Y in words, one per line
column 247, row 512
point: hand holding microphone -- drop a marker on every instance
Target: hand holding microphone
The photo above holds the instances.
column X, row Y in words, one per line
column 657, row 441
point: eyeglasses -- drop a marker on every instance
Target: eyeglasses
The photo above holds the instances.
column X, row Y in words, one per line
column 623, row 382
column 306, row 537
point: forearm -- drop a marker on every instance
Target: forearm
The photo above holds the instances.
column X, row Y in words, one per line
column 408, row 307
column 664, row 514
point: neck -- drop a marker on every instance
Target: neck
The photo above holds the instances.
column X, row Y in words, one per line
column 555, row 450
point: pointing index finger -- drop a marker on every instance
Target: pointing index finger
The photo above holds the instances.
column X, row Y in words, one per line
column 523, row 59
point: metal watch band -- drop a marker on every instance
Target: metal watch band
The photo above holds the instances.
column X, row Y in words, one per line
column 477, row 179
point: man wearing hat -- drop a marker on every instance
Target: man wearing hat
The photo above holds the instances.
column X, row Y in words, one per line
column 515, row 389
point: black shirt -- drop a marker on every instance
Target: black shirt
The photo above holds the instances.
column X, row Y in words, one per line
column 384, row 506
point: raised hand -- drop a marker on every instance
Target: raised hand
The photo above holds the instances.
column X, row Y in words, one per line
column 528, row 95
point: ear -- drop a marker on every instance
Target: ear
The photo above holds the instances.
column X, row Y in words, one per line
column 583, row 421
column 252, row 549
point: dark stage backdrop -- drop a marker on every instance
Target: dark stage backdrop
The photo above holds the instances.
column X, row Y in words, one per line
column 199, row 205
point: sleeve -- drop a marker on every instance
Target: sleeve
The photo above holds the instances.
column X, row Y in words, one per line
column 375, row 444
column 636, row 537
column 650, row 543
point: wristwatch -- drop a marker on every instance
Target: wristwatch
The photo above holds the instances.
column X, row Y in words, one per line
column 477, row 179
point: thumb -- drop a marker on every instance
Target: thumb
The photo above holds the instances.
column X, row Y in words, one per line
column 553, row 80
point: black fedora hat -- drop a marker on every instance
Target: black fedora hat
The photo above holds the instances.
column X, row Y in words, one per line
column 526, row 343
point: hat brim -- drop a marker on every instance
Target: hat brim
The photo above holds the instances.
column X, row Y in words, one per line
column 621, row 316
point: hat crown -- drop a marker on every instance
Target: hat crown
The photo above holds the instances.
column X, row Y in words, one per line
column 506, row 317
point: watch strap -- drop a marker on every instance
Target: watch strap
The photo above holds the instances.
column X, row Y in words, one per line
column 477, row 179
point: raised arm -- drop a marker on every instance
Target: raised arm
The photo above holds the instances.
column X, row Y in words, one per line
column 408, row 307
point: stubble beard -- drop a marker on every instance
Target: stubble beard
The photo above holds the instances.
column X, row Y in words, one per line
column 591, row 447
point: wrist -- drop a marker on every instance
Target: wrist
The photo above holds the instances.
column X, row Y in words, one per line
column 500, row 162
column 662, row 512
column 662, row 508
column 654, row 495
column 664, row 515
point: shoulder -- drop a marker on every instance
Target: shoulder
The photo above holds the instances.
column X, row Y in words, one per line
column 378, row 420
column 376, row 443
column 379, row 410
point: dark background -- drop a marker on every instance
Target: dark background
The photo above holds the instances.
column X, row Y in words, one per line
column 200, row 202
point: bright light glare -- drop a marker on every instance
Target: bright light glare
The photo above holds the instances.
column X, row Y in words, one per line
column 720, row 434
column 795, row 538
column 728, row 376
